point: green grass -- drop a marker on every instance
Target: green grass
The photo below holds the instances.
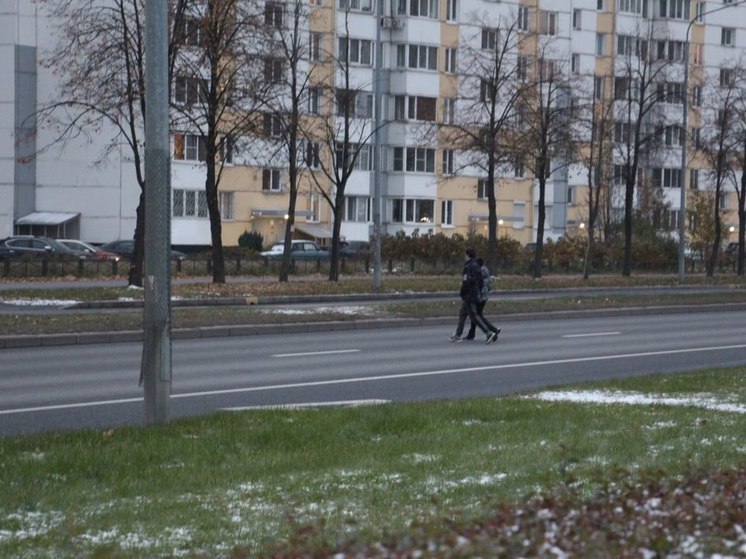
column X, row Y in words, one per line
column 234, row 484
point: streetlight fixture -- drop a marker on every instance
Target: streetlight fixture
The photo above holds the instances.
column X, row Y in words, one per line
column 682, row 205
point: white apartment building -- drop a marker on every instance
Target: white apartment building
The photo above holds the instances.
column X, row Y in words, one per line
column 72, row 190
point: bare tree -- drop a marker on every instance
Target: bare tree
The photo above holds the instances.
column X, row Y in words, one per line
column 719, row 140
column 342, row 135
column 482, row 125
column 548, row 139
column 738, row 178
column 216, row 84
column 99, row 61
column 640, row 87
column 285, row 55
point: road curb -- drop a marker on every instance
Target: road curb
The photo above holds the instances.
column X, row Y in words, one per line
column 235, row 330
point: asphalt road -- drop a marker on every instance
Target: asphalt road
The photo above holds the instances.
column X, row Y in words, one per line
column 96, row 386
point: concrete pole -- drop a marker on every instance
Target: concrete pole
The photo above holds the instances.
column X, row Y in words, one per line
column 377, row 154
column 155, row 371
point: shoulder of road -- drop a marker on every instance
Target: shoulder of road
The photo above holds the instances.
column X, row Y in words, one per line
column 81, row 338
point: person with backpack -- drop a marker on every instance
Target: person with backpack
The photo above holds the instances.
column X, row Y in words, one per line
column 484, row 296
column 471, row 288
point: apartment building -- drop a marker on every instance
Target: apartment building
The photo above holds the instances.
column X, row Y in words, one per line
column 417, row 55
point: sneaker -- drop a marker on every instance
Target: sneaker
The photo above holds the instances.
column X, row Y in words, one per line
column 455, row 338
column 491, row 337
column 469, row 338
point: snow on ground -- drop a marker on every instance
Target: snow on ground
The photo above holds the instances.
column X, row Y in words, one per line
column 38, row 302
column 705, row 401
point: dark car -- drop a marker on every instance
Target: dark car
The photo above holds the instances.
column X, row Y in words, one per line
column 354, row 249
column 299, row 250
column 126, row 249
column 40, row 246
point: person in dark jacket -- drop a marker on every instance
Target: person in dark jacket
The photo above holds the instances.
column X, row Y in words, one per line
column 471, row 287
column 484, row 296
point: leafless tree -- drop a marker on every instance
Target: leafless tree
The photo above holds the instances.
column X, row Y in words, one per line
column 99, row 61
column 216, row 85
column 549, row 133
column 640, row 87
column 482, row 124
column 719, row 142
column 738, row 178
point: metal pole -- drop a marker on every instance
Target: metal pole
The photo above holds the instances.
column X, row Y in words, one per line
column 155, row 373
column 377, row 156
column 684, row 168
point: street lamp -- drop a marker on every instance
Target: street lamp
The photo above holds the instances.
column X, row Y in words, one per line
column 682, row 204
column 499, row 224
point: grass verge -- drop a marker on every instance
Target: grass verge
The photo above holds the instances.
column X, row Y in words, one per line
column 307, row 482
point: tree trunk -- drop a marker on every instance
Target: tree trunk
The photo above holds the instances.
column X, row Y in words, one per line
column 135, row 274
column 539, row 253
column 629, row 195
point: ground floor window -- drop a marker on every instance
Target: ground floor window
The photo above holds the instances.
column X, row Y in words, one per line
column 412, row 210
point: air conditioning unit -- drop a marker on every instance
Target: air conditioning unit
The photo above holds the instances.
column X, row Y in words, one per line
column 388, row 22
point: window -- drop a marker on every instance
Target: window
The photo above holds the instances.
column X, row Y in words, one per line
column 728, row 36
column 726, row 77
column 626, row 88
column 272, row 126
column 273, row 70
column 312, row 154
column 670, row 92
column 412, row 210
column 450, row 64
column 356, row 5
column 575, row 63
column 482, row 189
column 273, row 14
column 599, row 5
column 672, row 136
column 190, row 147
column 421, row 108
column 363, row 161
column 694, row 179
column 522, row 18
column 519, row 165
column 697, row 96
column 598, row 87
column 417, row 56
column 189, row 203
column 576, row 19
column 355, row 104
column 451, row 10
column 316, row 2
column 700, row 11
column 674, row 9
column 600, row 40
column 314, row 46
column 490, row 39
column 188, row 91
column 314, row 100
column 622, row 132
column 449, row 110
column 521, row 67
column 226, row 147
column 414, row 160
column 666, row 177
column 226, row 205
column 486, row 91
column 358, row 209
column 519, row 214
column 423, row 8
column 446, row 213
column 548, row 23
column 697, row 54
column 189, row 32
column 271, row 180
column 633, row 7
column 571, row 195
column 356, row 51
column 313, row 205
column 628, row 45
column 448, row 162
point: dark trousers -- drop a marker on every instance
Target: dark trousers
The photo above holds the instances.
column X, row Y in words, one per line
column 469, row 309
column 480, row 312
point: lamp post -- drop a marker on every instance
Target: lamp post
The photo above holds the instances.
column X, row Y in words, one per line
column 682, row 203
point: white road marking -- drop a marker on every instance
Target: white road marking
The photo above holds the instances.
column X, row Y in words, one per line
column 371, row 402
column 591, row 335
column 395, row 376
column 330, row 352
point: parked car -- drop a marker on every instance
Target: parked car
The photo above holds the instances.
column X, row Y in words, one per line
column 40, row 246
column 354, row 249
column 92, row 251
column 126, row 248
column 299, row 250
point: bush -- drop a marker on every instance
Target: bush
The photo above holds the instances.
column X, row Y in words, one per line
column 251, row 240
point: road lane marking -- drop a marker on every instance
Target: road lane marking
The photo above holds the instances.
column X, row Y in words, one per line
column 591, row 335
column 395, row 376
column 352, row 403
column 308, row 353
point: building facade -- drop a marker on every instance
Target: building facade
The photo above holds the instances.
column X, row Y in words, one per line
column 416, row 55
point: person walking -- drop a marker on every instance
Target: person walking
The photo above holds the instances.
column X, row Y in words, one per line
column 484, row 296
column 471, row 287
